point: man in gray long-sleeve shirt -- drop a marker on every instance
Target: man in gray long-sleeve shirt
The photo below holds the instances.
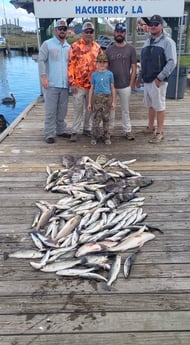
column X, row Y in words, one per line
column 53, row 65
column 158, row 60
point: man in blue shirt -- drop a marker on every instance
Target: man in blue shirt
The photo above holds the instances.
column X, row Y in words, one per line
column 53, row 65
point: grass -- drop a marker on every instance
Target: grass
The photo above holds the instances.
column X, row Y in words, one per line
column 185, row 60
column 23, row 40
column 26, row 40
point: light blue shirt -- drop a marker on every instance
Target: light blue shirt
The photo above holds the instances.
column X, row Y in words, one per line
column 102, row 82
column 53, row 61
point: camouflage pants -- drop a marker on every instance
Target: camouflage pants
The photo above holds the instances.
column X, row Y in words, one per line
column 101, row 113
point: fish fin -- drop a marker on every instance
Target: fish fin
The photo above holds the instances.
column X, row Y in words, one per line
column 5, row 256
column 108, row 287
column 83, row 260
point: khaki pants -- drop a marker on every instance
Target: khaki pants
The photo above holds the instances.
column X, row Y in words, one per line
column 81, row 116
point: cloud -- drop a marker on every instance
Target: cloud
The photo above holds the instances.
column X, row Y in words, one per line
column 26, row 20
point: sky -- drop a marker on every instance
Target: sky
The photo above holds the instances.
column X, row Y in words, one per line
column 26, row 20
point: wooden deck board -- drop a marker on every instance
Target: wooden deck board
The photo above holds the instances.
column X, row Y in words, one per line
column 153, row 305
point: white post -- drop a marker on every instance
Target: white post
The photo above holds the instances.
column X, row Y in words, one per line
column 179, row 54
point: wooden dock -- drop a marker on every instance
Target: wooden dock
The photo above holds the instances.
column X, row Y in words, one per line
column 153, row 305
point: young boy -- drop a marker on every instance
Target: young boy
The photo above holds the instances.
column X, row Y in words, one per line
column 101, row 99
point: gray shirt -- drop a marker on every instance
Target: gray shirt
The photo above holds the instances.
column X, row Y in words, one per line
column 120, row 61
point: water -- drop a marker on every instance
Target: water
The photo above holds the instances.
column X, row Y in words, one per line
column 19, row 75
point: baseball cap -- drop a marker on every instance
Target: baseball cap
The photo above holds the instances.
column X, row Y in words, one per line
column 87, row 25
column 102, row 57
column 60, row 22
column 120, row 27
column 156, row 19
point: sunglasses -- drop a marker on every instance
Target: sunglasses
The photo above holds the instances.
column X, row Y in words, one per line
column 154, row 24
column 89, row 31
column 62, row 28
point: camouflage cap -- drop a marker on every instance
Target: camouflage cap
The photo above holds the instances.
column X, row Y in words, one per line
column 102, row 57
column 87, row 25
column 60, row 22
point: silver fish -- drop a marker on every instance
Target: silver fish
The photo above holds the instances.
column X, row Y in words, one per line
column 43, row 261
column 127, row 265
column 60, row 265
column 68, row 227
column 88, row 248
column 93, row 276
column 38, row 243
column 44, row 218
column 133, row 241
column 26, row 254
column 74, row 271
column 114, row 271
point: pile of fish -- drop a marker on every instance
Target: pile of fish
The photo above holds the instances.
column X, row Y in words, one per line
column 98, row 218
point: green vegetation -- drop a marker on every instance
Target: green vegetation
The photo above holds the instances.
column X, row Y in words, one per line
column 26, row 40
column 185, row 60
column 22, row 41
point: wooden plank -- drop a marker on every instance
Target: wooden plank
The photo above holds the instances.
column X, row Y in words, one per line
column 48, row 286
column 99, row 322
column 152, row 306
column 140, row 270
column 117, row 338
column 47, row 304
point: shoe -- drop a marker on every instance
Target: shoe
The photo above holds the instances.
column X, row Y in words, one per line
column 64, row 135
column 87, row 133
column 130, row 136
column 93, row 142
column 149, row 131
column 73, row 137
column 107, row 142
column 157, row 138
column 50, row 140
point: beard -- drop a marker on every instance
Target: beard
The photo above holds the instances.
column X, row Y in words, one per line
column 119, row 39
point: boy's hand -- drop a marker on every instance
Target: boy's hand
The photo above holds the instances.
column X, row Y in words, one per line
column 138, row 84
column 89, row 107
column 113, row 105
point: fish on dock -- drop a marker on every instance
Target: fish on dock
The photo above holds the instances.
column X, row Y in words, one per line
column 98, row 218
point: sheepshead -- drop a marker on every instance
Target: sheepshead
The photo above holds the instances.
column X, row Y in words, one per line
column 101, row 159
column 115, row 187
column 68, row 161
column 141, row 181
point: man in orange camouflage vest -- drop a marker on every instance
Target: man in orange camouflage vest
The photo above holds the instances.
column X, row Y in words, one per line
column 82, row 62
